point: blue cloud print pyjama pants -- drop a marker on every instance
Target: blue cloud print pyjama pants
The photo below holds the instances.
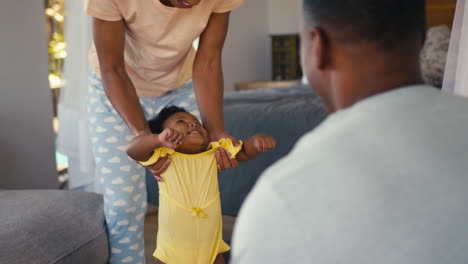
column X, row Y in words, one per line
column 122, row 179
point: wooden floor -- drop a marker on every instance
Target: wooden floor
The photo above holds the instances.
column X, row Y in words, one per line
column 151, row 227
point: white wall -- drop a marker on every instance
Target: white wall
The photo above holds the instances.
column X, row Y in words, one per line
column 247, row 52
column 284, row 16
column 246, row 55
column 27, row 157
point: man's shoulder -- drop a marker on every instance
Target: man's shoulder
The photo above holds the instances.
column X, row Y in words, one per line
column 304, row 163
column 351, row 137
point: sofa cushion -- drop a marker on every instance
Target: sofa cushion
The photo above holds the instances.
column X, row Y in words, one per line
column 52, row 226
column 433, row 56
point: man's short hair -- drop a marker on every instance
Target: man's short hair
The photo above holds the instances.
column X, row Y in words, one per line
column 156, row 123
column 386, row 22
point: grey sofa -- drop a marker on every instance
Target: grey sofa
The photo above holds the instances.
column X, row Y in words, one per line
column 52, row 227
column 67, row 227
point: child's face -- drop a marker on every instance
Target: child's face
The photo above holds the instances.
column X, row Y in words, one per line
column 195, row 135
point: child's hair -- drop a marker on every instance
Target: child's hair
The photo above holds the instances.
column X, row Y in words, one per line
column 156, row 123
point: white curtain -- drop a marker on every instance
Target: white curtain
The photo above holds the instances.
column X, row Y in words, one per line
column 73, row 137
column 456, row 69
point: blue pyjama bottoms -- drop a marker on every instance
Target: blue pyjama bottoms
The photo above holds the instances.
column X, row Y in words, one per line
column 122, row 179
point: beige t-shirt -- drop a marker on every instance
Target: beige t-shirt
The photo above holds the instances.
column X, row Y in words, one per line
column 158, row 52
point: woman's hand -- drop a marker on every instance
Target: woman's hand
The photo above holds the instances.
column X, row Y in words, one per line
column 159, row 167
column 223, row 158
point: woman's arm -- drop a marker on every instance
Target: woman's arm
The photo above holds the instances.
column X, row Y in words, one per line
column 208, row 74
column 109, row 39
column 255, row 145
column 209, row 83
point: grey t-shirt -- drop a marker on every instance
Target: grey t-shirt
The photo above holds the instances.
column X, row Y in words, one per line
column 384, row 181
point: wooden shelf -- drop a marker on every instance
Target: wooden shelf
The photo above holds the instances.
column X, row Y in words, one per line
column 265, row 84
column 439, row 12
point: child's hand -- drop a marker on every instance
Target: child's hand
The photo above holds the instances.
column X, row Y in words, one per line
column 263, row 143
column 171, row 138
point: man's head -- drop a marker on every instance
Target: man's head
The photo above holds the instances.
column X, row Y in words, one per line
column 195, row 135
column 346, row 41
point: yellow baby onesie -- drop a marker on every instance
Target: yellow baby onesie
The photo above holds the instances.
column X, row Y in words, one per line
column 190, row 221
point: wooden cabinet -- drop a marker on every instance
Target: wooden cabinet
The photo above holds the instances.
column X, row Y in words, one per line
column 265, row 84
column 285, row 57
column 439, row 12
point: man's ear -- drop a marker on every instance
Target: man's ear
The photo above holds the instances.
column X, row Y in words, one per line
column 319, row 47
